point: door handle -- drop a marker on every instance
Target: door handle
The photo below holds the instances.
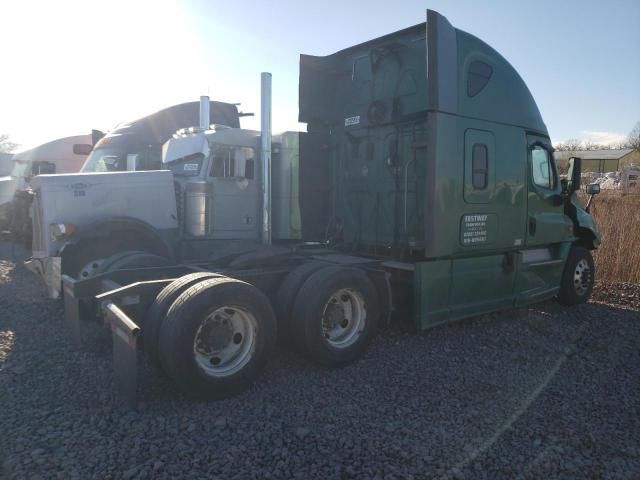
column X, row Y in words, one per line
column 532, row 226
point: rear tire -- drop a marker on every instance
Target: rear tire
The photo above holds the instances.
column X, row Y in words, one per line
column 158, row 310
column 336, row 315
column 287, row 294
column 578, row 277
column 226, row 321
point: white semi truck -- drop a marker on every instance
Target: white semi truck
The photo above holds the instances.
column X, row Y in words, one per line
column 83, row 219
column 63, row 155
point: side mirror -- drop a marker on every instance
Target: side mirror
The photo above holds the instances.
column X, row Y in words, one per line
column 593, row 189
column 574, row 174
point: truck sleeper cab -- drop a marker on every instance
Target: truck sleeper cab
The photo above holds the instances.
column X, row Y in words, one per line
column 142, row 139
column 425, row 179
column 444, row 165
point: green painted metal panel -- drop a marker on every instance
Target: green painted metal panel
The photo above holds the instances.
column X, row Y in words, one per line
column 431, row 288
column 481, row 284
column 285, row 173
column 505, row 99
column 539, row 279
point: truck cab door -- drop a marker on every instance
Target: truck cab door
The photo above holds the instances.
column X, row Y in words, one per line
column 546, row 221
column 541, row 262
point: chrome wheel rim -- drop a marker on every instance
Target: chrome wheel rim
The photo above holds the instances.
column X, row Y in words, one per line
column 344, row 318
column 225, row 341
column 91, row 268
column 582, row 277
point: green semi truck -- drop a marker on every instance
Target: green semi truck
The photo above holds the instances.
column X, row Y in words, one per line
column 425, row 180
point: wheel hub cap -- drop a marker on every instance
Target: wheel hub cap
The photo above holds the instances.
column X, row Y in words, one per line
column 91, row 268
column 582, row 277
column 225, row 341
column 344, row 318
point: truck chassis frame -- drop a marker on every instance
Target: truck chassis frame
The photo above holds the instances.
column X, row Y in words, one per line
column 119, row 297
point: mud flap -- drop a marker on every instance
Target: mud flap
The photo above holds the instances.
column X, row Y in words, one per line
column 83, row 332
column 125, row 336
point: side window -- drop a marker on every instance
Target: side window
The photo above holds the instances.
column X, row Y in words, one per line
column 477, row 77
column 232, row 162
column 479, row 166
column 150, row 158
column 542, row 170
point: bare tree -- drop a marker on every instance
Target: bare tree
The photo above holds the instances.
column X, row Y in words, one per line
column 570, row 145
column 622, row 145
column 633, row 139
column 6, row 146
column 574, row 145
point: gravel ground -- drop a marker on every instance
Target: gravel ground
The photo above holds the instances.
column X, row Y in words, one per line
column 542, row 392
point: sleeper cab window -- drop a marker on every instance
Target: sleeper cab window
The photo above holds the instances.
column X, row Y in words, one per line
column 479, row 166
column 478, row 76
column 542, row 170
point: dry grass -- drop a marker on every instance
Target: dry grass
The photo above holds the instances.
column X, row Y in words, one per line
column 618, row 217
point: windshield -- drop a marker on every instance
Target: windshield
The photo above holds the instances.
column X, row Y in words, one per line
column 108, row 159
column 110, row 153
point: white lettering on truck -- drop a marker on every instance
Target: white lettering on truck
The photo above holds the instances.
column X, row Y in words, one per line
column 352, row 120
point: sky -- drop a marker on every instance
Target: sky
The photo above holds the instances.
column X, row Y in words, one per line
column 68, row 66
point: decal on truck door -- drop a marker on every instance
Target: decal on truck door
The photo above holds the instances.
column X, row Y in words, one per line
column 352, row 121
column 477, row 228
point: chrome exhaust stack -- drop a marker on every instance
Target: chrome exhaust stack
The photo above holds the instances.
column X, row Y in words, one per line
column 204, row 113
column 265, row 154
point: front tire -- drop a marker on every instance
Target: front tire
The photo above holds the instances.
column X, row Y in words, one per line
column 578, row 277
column 122, row 261
column 217, row 337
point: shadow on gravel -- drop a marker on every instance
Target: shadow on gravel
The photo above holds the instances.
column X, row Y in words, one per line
column 541, row 392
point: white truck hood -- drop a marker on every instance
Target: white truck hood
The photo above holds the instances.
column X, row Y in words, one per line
column 85, row 198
